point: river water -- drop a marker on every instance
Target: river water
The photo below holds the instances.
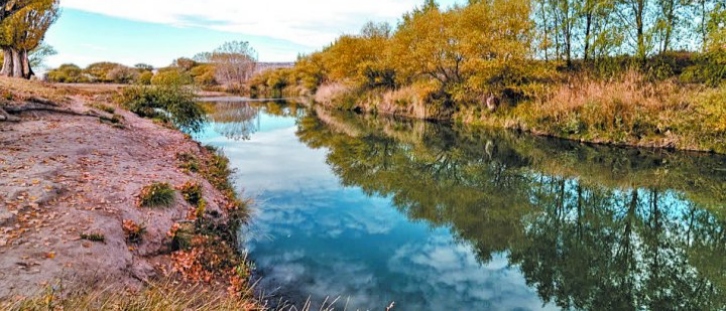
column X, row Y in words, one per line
column 367, row 211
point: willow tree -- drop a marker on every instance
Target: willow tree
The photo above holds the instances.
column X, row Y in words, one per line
column 24, row 32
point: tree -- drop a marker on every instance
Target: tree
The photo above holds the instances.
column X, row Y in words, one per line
column 24, row 32
column 144, row 67
column 235, row 62
column 38, row 55
column 667, row 22
column 10, row 7
column 635, row 13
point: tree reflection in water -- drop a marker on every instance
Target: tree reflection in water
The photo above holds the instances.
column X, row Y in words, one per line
column 238, row 120
column 592, row 228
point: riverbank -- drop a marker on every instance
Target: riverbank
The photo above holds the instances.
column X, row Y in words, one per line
column 74, row 174
column 629, row 111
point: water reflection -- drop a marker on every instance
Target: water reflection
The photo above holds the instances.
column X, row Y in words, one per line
column 446, row 218
column 238, row 120
column 634, row 230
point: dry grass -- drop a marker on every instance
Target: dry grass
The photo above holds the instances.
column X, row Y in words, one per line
column 166, row 296
column 19, row 89
column 628, row 108
column 328, row 93
column 628, row 111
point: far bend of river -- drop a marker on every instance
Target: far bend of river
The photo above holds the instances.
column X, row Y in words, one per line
column 432, row 217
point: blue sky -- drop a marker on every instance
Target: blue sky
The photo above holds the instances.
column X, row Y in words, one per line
column 158, row 31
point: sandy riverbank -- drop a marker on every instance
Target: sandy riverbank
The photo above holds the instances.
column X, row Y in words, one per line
column 64, row 175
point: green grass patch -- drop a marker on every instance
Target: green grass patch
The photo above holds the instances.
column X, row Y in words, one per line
column 192, row 193
column 94, row 237
column 156, row 195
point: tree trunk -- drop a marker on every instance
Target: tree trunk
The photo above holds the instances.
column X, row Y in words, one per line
column 27, row 69
column 17, row 64
column 640, row 29
column 588, row 26
column 7, row 69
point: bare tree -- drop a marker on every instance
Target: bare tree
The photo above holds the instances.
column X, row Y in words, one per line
column 235, row 63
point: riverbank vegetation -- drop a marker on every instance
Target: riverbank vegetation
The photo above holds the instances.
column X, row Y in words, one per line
column 629, row 72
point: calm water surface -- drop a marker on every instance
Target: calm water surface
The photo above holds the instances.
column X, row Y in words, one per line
column 375, row 211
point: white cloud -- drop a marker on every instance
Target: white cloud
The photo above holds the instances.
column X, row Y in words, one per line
column 310, row 23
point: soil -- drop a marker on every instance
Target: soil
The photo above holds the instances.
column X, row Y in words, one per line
column 65, row 175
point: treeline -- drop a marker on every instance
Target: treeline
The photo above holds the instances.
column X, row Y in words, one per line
column 228, row 67
column 616, row 72
column 510, row 48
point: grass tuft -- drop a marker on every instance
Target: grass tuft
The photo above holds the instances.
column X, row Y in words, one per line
column 94, row 237
column 161, row 296
column 155, row 195
column 192, row 193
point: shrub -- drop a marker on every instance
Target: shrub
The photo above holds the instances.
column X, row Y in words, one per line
column 164, row 102
column 67, row 73
column 171, row 76
column 145, row 78
column 156, row 194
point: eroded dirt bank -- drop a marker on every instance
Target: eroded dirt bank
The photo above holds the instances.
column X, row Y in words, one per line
column 64, row 175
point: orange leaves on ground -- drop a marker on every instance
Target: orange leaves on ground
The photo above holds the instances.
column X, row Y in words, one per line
column 133, row 231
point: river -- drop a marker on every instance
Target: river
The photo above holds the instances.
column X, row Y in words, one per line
column 359, row 212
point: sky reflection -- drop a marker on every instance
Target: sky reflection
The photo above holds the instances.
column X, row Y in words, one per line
column 312, row 237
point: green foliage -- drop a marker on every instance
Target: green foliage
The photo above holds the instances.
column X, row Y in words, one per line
column 204, row 75
column 171, row 77
column 144, row 67
column 25, row 30
column 188, row 162
column 145, row 78
column 155, row 195
column 39, row 54
column 174, row 102
column 67, row 73
column 94, row 237
column 192, row 193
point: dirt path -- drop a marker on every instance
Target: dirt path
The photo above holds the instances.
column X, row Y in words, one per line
column 62, row 176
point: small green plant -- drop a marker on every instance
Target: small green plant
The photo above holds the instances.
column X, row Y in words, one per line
column 133, row 231
column 188, row 161
column 94, row 237
column 192, row 192
column 156, row 194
